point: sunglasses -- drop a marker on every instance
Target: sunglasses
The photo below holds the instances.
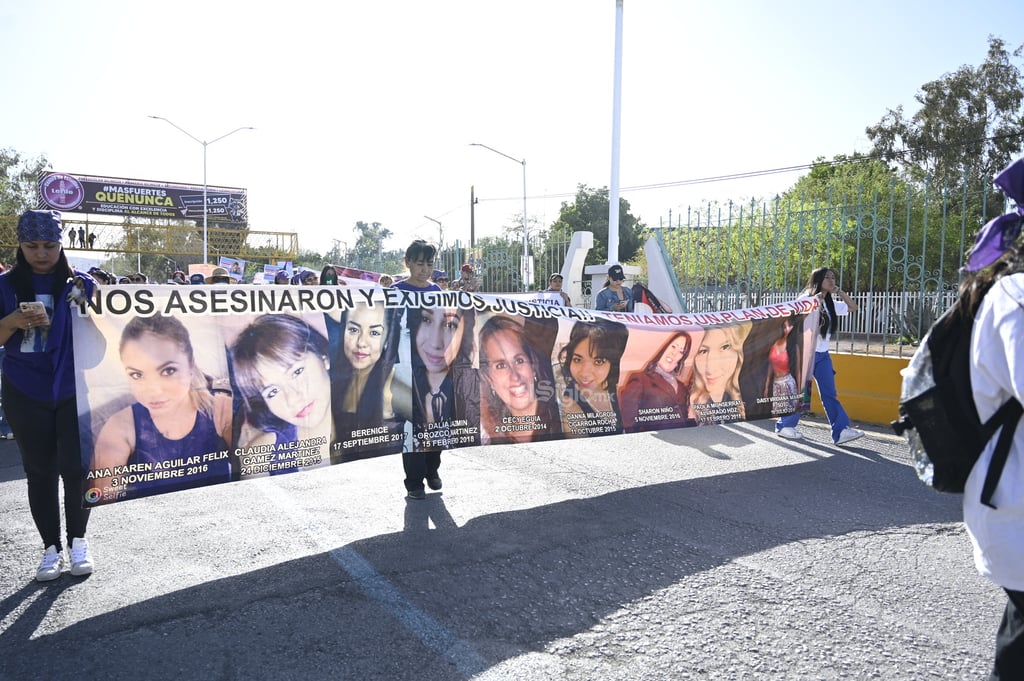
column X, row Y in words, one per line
column 221, row 280
column 444, row 279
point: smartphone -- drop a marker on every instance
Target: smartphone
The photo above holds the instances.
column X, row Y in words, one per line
column 34, row 306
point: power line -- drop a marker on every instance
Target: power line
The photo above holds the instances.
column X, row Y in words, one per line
column 776, row 171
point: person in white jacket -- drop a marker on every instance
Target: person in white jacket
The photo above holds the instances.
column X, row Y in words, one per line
column 996, row 297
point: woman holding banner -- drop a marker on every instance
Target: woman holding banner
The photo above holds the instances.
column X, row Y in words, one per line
column 715, row 397
column 177, row 419
column 519, row 402
column 39, row 385
column 590, row 368
column 658, row 395
column 281, row 369
column 833, row 303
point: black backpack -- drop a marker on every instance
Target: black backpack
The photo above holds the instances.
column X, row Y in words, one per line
column 938, row 415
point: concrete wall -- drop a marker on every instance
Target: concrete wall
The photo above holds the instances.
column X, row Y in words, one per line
column 868, row 387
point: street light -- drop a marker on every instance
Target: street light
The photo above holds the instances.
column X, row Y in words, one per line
column 526, row 252
column 440, row 231
column 205, row 144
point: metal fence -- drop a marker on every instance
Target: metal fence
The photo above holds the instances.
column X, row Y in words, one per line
column 897, row 250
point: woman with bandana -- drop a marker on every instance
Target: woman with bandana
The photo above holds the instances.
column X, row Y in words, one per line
column 39, row 385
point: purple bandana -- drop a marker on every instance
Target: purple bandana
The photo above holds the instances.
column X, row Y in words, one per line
column 996, row 237
column 40, row 225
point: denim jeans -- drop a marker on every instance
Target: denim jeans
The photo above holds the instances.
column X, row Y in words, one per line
column 825, row 379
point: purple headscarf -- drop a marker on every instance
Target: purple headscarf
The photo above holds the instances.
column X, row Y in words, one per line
column 996, row 237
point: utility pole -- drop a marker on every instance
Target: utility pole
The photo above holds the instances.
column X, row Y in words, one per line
column 472, row 217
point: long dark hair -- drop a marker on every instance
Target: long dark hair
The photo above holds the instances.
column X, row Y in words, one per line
column 977, row 284
column 607, row 341
column 652, row 364
column 21, row 276
column 280, row 339
column 827, row 322
column 457, row 405
column 370, row 405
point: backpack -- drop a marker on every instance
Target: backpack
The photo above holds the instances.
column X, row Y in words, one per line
column 937, row 412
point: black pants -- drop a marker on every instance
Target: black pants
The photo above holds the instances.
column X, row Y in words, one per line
column 419, row 466
column 1009, row 662
column 47, row 436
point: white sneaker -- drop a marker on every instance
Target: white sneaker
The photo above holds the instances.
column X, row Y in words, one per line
column 789, row 433
column 81, row 560
column 848, row 435
column 50, row 567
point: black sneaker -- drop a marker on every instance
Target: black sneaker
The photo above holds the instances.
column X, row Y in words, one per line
column 419, row 494
column 434, row 483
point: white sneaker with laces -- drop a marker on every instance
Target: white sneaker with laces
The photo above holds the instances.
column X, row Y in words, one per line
column 848, row 435
column 51, row 565
column 81, row 559
column 789, row 433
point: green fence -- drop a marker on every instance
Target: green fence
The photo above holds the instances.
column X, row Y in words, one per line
column 898, row 250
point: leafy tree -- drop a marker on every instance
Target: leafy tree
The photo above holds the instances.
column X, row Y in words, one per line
column 368, row 252
column 18, row 177
column 969, row 125
column 589, row 212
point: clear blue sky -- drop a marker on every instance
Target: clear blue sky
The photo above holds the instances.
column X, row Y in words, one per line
column 364, row 111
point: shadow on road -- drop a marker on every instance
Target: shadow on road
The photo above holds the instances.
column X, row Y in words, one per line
column 506, row 583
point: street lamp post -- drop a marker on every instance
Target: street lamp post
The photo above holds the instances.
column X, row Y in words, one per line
column 440, row 232
column 526, row 250
column 205, row 144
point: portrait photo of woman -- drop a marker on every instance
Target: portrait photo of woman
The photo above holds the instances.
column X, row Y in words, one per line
column 772, row 372
column 718, row 360
column 518, row 401
column 446, row 384
column 175, row 413
column 362, row 371
column 590, row 370
column 281, row 369
column 658, row 395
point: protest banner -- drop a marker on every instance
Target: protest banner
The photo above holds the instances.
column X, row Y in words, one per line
column 180, row 387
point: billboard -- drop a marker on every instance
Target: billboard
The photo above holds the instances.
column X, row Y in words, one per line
column 67, row 192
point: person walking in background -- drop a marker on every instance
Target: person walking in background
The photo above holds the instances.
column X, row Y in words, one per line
column 441, row 279
column 81, row 237
column 614, row 297
column 822, row 285
column 39, row 385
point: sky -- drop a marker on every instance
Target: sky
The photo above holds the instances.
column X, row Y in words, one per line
column 366, row 111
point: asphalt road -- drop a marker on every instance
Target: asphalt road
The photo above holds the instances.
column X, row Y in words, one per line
column 719, row 552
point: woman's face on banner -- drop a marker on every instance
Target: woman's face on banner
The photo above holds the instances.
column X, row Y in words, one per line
column 587, row 371
column 159, row 373
column 716, row 360
column 364, row 336
column 510, row 373
column 300, row 393
column 673, row 354
column 438, row 338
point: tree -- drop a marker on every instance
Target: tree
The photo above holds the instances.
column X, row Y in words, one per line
column 368, row 253
column 589, row 212
column 969, row 125
column 18, row 177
